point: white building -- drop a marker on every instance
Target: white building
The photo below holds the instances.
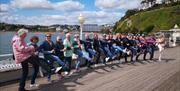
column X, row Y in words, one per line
column 172, row 36
column 91, row 28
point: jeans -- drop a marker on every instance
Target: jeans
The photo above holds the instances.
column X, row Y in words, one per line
column 91, row 52
column 25, row 68
column 150, row 49
column 47, row 66
column 133, row 50
column 80, row 54
column 107, row 52
column 54, row 58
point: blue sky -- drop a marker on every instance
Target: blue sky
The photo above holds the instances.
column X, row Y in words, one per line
column 48, row 12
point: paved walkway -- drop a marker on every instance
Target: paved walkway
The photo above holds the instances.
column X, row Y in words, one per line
column 141, row 76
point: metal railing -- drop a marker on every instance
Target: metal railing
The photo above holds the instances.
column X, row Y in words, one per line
column 8, row 64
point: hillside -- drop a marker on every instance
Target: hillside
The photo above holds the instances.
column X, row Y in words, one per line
column 150, row 21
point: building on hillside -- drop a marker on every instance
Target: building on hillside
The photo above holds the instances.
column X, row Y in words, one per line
column 172, row 36
column 91, row 28
column 145, row 4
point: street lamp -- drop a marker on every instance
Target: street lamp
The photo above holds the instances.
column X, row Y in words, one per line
column 81, row 21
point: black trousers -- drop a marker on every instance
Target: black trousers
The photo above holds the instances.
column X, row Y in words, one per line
column 97, row 49
column 25, row 68
column 67, row 61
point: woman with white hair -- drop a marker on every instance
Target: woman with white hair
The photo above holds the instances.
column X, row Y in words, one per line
column 23, row 55
column 67, row 52
column 160, row 43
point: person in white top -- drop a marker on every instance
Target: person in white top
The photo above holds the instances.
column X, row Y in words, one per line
column 160, row 43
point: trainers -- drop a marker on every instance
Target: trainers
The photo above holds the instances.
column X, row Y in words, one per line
column 49, row 81
column 58, row 69
column 95, row 65
column 66, row 73
column 107, row 59
column 34, row 85
column 114, row 57
column 128, row 52
column 124, row 50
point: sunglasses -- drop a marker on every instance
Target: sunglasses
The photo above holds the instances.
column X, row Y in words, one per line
column 48, row 36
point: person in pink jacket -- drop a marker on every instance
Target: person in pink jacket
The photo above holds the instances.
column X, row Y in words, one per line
column 23, row 55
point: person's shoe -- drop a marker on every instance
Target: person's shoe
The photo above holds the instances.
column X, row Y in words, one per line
column 34, row 85
column 49, row 81
column 70, row 73
column 95, row 65
column 66, row 73
column 113, row 57
column 58, row 69
column 107, row 59
column 128, row 52
column 124, row 50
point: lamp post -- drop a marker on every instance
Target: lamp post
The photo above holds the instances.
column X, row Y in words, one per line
column 81, row 21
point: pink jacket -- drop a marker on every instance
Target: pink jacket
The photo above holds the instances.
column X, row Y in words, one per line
column 20, row 49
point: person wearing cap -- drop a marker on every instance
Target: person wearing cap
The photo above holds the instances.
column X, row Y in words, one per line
column 23, row 55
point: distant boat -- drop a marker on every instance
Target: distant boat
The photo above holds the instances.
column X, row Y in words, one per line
column 4, row 30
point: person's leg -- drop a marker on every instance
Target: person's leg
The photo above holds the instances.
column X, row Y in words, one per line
column 56, row 58
column 160, row 52
column 145, row 53
column 67, row 61
column 152, row 52
column 80, row 54
column 35, row 63
column 109, row 54
column 24, row 75
column 132, row 53
column 92, row 52
column 125, row 57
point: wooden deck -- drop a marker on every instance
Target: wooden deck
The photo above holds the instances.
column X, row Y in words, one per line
column 144, row 76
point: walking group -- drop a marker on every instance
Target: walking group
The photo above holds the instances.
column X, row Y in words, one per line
column 93, row 49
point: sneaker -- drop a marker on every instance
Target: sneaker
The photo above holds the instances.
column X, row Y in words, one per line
column 114, row 57
column 95, row 65
column 49, row 81
column 107, row 59
column 124, row 50
column 128, row 52
column 70, row 73
column 66, row 73
column 58, row 69
column 34, row 85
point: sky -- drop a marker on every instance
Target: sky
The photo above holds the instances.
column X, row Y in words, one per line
column 49, row 12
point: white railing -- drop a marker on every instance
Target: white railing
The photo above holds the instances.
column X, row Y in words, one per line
column 5, row 55
column 8, row 64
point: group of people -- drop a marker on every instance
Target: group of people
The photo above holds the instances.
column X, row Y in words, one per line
column 93, row 50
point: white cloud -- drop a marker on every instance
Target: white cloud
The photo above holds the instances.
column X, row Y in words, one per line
column 117, row 4
column 28, row 4
column 91, row 17
column 68, row 5
column 4, row 7
column 43, row 4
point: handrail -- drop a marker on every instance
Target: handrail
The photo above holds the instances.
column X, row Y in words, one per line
column 6, row 55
